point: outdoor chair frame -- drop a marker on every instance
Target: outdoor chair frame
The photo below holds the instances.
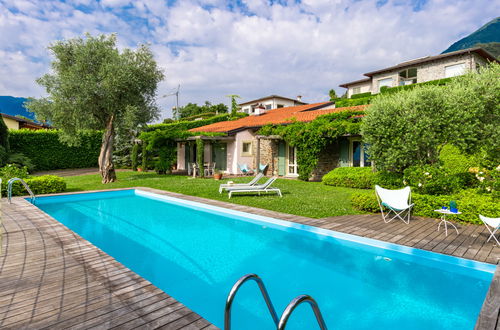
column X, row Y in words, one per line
column 397, row 202
column 494, row 223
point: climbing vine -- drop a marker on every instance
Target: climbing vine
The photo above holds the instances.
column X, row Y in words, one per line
column 200, row 148
column 311, row 138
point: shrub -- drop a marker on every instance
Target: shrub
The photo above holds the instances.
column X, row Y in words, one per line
column 354, row 177
column 46, row 184
column 340, row 102
column 435, row 180
column 391, row 90
column 135, row 156
column 488, row 180
column 47, row 152
column 410, row 127
column 388, row 180
column 454, row 161
column 469, row 202
column 4, row 156
column 21, row 160
column 10, row 171
column 362, row 177
column 361, row 95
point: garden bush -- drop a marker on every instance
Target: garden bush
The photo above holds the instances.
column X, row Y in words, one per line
column 362, row 177
column 45, row 184
column 47, row 152
column 361, row 95
column 469, row 202
column 388, row 180
column 436, row 180
column 354, row 177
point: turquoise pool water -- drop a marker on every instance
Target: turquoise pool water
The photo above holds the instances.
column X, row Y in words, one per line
column 195, row 253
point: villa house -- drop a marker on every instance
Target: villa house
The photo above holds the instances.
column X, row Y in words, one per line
column 243, row 145
column 13, row 122
column 269, row 102
column 421, row 70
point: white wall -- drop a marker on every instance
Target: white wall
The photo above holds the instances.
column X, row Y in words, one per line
column 241, row 137
column 181, row 162
column 364, row 88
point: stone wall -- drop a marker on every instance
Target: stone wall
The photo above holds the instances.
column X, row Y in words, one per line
column 269, row 155
column 327, row 161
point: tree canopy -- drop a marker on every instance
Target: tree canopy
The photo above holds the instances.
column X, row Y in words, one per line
column 193, row 109
column 94, row 85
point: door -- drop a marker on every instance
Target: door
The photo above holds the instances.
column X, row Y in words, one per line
column 292, row 160
column 281, row 158
column 219, row 155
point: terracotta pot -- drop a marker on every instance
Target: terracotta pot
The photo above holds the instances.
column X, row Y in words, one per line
column 139, row 169
column 218, row 176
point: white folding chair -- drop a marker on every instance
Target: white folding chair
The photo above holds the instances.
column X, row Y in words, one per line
column 396, row 201
column 494, row 223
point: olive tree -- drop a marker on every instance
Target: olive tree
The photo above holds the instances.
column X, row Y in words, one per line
column 94, row 85
column 410, row 127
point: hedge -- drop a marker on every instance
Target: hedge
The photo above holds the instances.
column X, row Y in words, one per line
column 362, row 177
column 391, row 90
column 354, row 177
column 45, row 184
column 340, row 102
column 469, row 202
column 48, row 153
column 361, row 95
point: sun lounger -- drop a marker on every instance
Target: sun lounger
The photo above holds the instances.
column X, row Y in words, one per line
column 253, row 182
column 256, row 188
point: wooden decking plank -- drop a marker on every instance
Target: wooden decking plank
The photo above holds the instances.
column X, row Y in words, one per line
column 55, row 279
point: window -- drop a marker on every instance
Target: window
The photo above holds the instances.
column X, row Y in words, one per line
column 280, row 106
column 358, row 157
column 408, row 76
column 292, row 160
column 454, row 70
column 268, row 106
column 356, row 90
column 246, row 148
column 385, row 82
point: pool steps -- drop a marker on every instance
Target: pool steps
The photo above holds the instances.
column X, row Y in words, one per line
column 281, row 323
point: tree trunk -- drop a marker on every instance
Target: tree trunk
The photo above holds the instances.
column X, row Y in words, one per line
column 106, row 167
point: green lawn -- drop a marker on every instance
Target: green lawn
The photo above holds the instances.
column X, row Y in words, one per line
column 310, row 199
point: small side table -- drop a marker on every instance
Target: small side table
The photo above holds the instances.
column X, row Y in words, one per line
column 444, row 213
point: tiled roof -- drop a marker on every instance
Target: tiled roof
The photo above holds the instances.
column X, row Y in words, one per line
column 302, row 113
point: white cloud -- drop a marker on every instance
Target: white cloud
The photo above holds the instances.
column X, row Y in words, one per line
column 212, row 51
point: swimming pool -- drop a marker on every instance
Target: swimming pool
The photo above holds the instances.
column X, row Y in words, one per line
column 196, row 252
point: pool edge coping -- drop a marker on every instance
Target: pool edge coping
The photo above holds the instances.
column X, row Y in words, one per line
column 488, row 317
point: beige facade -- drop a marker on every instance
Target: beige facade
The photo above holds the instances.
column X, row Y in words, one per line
column 11, row 123
column 420, row 70
column 268, row 103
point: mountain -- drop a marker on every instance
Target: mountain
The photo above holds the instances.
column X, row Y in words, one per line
column 14, row 106
column 487, row 37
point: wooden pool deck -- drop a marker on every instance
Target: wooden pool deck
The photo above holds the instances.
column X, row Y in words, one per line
column 52, row 278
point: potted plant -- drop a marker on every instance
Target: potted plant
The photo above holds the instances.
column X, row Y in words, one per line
column 217, row 175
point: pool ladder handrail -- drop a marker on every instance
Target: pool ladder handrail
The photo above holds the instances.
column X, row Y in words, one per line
column 9, row 189
column 282, row 322
column 234, row 290
column 294, row 304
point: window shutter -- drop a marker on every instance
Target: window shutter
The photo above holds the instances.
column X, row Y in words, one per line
column 281, row 158
column 344, row 153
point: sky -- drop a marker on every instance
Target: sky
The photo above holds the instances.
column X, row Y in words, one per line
column 252, row 48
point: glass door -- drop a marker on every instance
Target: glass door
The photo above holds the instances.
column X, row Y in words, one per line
column 292, row 160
